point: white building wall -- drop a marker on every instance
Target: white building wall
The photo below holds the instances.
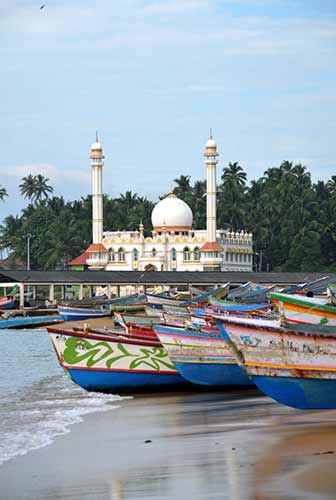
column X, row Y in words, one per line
column 236, row 256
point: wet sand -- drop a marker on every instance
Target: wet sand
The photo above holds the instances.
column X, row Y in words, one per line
column 199, row 445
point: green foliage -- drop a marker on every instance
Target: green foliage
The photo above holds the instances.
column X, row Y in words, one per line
column 3, row 193
column 293, row 221
column 35, row 188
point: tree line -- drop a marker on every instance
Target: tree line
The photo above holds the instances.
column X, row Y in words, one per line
column 293, row 220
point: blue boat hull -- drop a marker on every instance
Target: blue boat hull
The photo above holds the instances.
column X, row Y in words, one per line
column 106, row 381
column 219, row 374
column 78, row 317
column 29, row 321
column 301, row 393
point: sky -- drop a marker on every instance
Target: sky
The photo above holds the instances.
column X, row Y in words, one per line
column 152, row 76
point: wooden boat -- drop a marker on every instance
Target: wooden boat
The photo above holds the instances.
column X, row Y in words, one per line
column 157, row 302
column 122, row 318
column 235, row 293
column 300, row 309
column 105, row 362
column 71, row 313
column 7, row 303
column 153, row 311
column 201, row 356
column 133, row 307
column 30, row 321
column 293, row 364
column 234, row 308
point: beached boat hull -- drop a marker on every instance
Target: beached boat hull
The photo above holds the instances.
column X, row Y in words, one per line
column 76, row 313
column 94, row 380
column 296, row 367
column 29, row 321
column 215, row 372
column 201, row 357
column 127, row 307
column 304, row 310
column 106, row 363
column 301, row 393
column 7, row 303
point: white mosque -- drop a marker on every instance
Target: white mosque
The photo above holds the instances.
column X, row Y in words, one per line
column 173, row 245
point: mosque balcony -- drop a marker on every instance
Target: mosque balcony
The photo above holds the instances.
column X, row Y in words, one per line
column 150, row 256
column 97, row 261
column 209, row 258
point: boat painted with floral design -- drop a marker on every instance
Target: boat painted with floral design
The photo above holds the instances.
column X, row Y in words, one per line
column 201, row 356
column 106, row 362
column 293, row 364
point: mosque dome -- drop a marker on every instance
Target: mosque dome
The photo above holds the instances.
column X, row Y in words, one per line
column 173, row 214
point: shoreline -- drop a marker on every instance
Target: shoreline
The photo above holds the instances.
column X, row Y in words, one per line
column 182, row 445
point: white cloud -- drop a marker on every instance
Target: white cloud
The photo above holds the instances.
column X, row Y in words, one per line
column 53, row 173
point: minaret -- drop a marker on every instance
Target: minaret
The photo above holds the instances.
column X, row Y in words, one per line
column 97, row 190
column 211, row 164
column 211, row 250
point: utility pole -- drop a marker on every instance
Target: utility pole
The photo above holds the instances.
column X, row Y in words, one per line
column 28, row 251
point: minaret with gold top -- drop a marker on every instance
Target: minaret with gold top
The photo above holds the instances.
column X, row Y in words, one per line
column 97, row 163
column 210, row 252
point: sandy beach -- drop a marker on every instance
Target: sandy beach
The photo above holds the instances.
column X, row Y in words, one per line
column 234, row 445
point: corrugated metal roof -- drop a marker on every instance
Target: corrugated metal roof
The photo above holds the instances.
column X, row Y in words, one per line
column 150, row 278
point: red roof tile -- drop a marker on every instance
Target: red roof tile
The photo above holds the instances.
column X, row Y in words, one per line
column 96, row 247
column 211, row 247
column 80, row 260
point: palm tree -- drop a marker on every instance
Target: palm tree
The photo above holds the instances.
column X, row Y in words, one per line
column 3, row 193
column 28, row 187
column 183, row 188
column 234, row 174
column 35, row 187
column 42, row 187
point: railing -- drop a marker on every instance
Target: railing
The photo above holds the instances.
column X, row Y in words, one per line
column 97, row 261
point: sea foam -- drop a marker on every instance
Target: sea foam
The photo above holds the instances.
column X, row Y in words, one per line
column 32, row 417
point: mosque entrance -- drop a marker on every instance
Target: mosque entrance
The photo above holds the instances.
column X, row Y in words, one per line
column 150, row 267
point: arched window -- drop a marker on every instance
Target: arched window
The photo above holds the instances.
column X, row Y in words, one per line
column 173, row 254
column 186, row 254
column 135, row 255
column 197, row 254
column 121, row 255
column 111, row 255
column 153, row 252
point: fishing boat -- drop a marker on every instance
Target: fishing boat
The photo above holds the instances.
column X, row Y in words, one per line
column 300, row 309
column 122, row 318
column 201, row 356
column 17, row 322
column 105, row 362
column 233, row 308
column 7, row 303
column 127, row 307
column 158, row 301
column 293, row 364
column 74, row 313
column 235, row 293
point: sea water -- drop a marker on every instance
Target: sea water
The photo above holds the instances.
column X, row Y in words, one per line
column 38, row 401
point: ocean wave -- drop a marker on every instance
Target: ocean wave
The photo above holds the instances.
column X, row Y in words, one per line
column 32, row 417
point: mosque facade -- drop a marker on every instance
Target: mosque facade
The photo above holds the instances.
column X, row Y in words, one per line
column 173, row 244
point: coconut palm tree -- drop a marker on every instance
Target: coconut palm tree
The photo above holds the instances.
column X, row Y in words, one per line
column 3, row 193
column 234, row 174
column 43, row 189
column 35, row 187
column 183, row 188
column 28, row 187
